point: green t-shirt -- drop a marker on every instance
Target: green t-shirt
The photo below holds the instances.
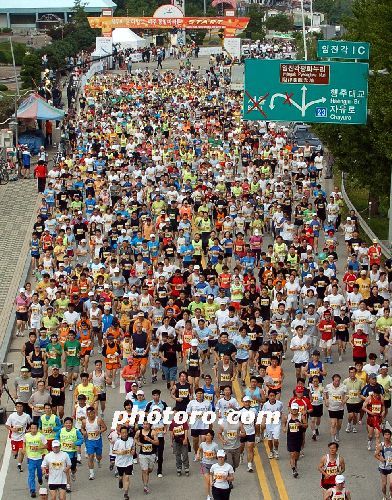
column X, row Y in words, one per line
column 72, row 350
column 54, row 352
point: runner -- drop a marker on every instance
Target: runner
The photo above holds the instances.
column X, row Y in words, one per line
column 295, row 426
column 335, row 397
column 147, row 440
column 92, row 429
column 222, row 476
column 17, row 424
column 384, row 455
column 123, row 449
column 34, row 448
column 206, row 455
column 57, row 464
column 331, row 465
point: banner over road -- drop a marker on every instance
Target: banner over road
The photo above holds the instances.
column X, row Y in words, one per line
column 108, row 23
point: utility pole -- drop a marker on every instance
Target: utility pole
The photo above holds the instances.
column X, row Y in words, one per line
column 16, row 98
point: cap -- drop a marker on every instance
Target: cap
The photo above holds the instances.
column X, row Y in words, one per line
column 107, row 307
column 196, row 266
column 210, row 296
column 133, row 384
column 55, row 367
column 152, row 235
column 55, row 443
column 298, row 311
column 384, row 365
column 106, row 285
column 339, row 479
column 116, row 270
column 141, row 314
column 299, row 388
column 22, row 290
column 140, row 393
column 221, row 453
column 246, row 398
column 294, row 406
column 24, row 369
column 372, row 375
column 194, row 342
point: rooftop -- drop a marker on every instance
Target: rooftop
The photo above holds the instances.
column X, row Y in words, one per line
column 50, row 6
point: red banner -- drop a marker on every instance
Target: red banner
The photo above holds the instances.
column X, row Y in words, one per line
column 109, row 23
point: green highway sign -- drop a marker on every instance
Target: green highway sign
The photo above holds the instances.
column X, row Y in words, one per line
column 340, row 49
column 306, row 91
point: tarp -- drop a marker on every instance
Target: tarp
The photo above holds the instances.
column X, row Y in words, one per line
column 127, row 39
column 34, row 107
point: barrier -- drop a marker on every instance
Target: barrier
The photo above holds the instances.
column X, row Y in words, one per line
column 367, row 230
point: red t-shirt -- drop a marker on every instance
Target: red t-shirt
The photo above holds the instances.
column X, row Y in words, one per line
column 326, row 327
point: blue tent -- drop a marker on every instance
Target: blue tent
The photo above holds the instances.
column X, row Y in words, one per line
column 34, row 107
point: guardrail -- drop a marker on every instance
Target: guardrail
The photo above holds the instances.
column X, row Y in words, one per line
column 386, row 251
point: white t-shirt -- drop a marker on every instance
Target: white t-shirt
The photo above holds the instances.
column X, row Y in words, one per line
column 202, row 407
column 368, row 368
column 57, row 463
column 219, row 475
column 124, row 457
column 300, row 356
column 20, row 423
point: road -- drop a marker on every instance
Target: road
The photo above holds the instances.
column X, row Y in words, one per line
column 271, row 480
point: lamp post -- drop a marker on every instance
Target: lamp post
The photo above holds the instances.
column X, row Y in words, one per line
column 16, row 95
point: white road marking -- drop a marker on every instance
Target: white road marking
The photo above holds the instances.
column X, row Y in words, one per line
column 5, row 466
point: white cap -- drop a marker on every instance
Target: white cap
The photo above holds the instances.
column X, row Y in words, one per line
column 55, row 443
column 106, row 285
column 107, row 307
column 152, row 235
column 140, row 393
column 91, row 294
column 294, row 406
column 80, row 212
column 221, row 453
column 196, row 266
column 22, row 290
column 246, row 398
column 256, row 232
column 116, row 270
column 339, row 479
column 194, row 342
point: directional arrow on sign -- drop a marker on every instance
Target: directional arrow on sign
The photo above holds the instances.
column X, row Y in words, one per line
column 288, row 99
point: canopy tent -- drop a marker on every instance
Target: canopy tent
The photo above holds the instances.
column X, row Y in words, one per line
column 127, row 39
column 34, row 107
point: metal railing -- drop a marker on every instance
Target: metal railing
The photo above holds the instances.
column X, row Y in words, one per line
column 386, row 250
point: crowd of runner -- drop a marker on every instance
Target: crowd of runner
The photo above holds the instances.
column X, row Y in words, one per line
column 175, row 242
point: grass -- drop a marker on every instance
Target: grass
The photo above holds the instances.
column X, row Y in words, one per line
column 359, row 197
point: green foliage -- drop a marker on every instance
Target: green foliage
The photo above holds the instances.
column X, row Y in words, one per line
column 5, row 52
column 3, row 87
column 255, row 29
column 335, row 10
column 7, row 107
column 31, row 70
column 281, row 22
column 366, row 151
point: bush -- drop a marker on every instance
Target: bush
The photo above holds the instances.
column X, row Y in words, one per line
column 6, row 30
column 3, row 87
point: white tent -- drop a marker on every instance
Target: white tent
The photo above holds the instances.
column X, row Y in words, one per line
column 127, row 39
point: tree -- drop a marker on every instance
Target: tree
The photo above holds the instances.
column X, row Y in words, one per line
column 255, row 29
column 280, row 22
column 31, row 70
column 335, row 10
column 365, row 151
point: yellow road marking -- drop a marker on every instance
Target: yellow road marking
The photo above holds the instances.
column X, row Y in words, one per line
column 257, row 460
column 278, row 477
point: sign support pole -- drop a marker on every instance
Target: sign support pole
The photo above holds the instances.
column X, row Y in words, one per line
column 304, row 31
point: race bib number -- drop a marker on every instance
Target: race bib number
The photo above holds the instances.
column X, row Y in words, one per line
column 231, row 434
column 56, row 391
column 147, row 448
column 293, row 427
column 183, row 393
column 225, row 377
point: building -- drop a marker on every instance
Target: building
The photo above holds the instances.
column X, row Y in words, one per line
column 23, row 14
